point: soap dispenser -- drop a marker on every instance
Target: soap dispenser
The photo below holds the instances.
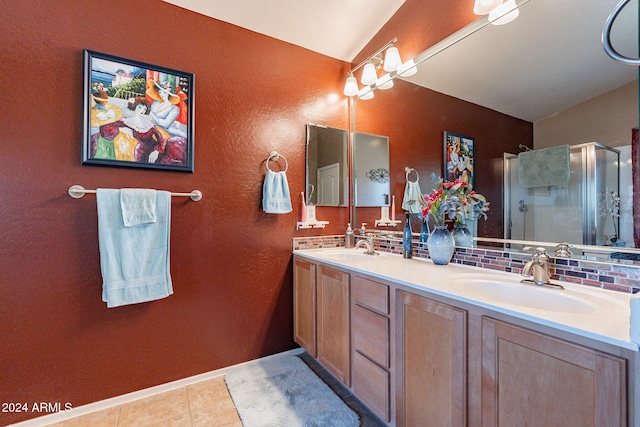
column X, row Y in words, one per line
column 349, row 237
column 407, row 239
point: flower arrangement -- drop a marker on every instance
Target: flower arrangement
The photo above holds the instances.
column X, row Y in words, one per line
column 453, row 202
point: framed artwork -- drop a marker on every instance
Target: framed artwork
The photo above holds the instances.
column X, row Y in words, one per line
column 136, row 115
column 459, row 158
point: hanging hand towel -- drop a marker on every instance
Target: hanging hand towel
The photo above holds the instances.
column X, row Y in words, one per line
column 275, row 193
column 545, row 167
column 138, row 206
column 412, row 195
column 134, row 260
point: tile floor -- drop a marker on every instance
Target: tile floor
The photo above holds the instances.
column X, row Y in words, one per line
column 206, row 403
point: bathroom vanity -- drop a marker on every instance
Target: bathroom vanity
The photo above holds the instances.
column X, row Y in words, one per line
column 452, row 345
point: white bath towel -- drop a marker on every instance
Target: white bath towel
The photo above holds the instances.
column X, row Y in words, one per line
column 412, row 195
column 134, row 260
column 275, row 193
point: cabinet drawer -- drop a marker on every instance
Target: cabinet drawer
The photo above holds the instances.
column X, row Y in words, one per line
column 371, row 384
column 371, row 294
column 371, row 335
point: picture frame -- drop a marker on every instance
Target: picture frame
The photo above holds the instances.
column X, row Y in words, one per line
column 136, row 114
column 459, row 158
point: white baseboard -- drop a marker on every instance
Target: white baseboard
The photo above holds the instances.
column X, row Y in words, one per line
column 140, row 394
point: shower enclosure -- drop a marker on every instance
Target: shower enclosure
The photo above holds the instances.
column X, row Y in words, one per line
column 578, row 212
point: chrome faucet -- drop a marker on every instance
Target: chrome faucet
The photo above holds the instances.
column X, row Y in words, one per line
column 538, row 268
column 368, row 243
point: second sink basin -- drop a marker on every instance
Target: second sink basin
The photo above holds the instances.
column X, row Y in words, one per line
column 495, row 288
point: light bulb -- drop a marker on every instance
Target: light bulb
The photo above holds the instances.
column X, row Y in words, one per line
column 407, row 69
column 351, row 86
column 482, row 7
column 369, row 75
column 505, row 13
column 392, row 59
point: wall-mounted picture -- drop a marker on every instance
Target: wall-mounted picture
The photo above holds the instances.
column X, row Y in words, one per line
column 459, row 158
column 136, row 114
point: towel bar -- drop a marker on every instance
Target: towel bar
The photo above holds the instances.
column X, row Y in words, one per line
column 78, row 191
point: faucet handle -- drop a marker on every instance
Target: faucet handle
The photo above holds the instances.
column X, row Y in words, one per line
column 563, row 250
column 539, row 249
column 540, row 253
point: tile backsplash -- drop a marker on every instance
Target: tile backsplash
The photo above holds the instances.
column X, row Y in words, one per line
column 616, row 277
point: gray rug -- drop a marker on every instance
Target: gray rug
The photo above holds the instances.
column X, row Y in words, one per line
column 283, row 391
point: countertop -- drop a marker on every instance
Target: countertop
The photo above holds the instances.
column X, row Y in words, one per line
column 608, row 319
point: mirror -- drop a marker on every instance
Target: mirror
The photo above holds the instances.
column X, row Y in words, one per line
column 525, row 70
column 327, row 166
column 371, row 170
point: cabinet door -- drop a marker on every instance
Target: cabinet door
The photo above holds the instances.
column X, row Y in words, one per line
column 431, row 362
column 304, row 305
column 334, row 322
column 532, row 379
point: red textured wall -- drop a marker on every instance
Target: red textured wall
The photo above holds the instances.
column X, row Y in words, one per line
column 230, row 262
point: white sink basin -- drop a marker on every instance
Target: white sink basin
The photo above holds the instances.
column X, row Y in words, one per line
column 506, row 290
column 351, row 255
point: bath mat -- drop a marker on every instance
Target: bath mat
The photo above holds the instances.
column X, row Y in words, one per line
column 283, row 391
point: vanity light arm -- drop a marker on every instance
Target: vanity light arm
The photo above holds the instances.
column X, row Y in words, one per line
column 606, row 38
column 377, row 52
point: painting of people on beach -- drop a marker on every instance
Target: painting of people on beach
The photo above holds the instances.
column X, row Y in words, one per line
column 459, row 158
column 136, row 114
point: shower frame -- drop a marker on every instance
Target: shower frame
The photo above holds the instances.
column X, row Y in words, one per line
column 589, row 189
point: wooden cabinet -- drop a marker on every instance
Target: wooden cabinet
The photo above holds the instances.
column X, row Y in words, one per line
column 371, row 352
column 431, row 362
column 533, row 379
column 321, row 317
column 304, row 305
column 419, row 359
column 334, row 322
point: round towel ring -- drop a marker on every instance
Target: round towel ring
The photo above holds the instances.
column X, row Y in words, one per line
column 274, row 156
column 408, row 172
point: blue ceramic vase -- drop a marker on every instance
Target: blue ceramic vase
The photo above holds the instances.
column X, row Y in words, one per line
column 462, row 236
column 440, row 245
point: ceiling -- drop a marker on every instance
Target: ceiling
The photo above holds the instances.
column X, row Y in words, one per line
column 549, row 59
column 336, row 28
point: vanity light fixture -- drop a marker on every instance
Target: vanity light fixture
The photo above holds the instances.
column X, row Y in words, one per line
column 407, row 69
column 505, row 13
column 385, row 82
column 390, row 62
column 369, row 74
column 365, row 93
column 351, row 86
column 482, row 7
column 392, row 59
column 500, row 11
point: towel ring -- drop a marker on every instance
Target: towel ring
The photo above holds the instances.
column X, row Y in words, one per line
column 408, row 172
column 274, row 156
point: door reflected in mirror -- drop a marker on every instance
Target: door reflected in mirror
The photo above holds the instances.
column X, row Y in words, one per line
column 327, row 166
column 371, row 159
